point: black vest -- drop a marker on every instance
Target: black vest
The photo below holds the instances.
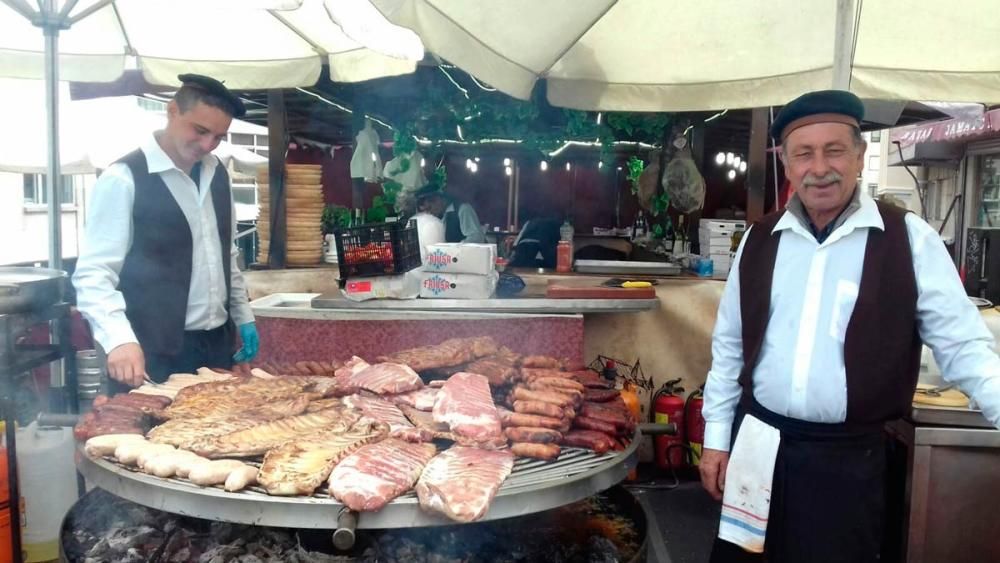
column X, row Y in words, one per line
column 155, row 278
column 882, row 344
column 452, row 226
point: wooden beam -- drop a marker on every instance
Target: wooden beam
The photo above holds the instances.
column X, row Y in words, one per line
column 757, row 165
column 277, row 136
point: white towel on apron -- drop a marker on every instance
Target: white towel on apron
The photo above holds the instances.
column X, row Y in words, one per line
column 746, row 500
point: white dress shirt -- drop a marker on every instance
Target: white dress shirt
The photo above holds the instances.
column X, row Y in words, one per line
column 800, row 371
column 468, row 220
column 108, row 238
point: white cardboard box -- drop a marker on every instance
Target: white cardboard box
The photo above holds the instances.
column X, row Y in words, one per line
column 461, row 258
column 714, row 245
column 403, row 286
column 721, row 225
column 438, row 285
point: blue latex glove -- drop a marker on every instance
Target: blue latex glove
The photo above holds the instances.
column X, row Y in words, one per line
column 251, row 342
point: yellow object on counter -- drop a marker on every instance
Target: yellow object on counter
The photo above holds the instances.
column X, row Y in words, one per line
column 946, row 398
column 636, row 284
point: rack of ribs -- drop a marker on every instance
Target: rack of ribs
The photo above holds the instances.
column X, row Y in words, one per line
column 377, row 473
column 461, row 482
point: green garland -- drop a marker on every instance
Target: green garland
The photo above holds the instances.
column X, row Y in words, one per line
column 445, row 113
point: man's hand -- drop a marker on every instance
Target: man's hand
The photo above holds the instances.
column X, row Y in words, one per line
column 127, row 364
column 713, row 471
column 251, row 343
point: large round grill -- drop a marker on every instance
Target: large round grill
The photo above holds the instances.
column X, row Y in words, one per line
column 533, row 486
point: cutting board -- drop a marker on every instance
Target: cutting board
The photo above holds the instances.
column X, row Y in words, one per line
column 558, row 291
column 948, row 398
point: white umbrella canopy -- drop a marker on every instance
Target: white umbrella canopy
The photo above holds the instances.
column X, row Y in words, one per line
column 248, row 44
column 686, row 55
column 241, row 43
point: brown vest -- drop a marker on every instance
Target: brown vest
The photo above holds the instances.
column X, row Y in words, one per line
column 882, row 345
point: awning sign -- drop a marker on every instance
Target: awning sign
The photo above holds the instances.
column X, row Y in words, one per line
column 950, row 130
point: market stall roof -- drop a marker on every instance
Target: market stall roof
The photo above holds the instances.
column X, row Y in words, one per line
column 651, row 55
column 323, row 112
column 240, row 43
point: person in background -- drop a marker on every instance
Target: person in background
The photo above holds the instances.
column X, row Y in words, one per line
column 817, row 345
column 461, row 222
column 535, row 246
column 157, row 277
column 430, row 229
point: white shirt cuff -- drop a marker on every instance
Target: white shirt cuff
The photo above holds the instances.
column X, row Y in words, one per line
column 242, row 314
column 718, row 435
column 111, row 339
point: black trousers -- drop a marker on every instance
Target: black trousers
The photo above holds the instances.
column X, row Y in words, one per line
column 827, row 497
column 201, row 348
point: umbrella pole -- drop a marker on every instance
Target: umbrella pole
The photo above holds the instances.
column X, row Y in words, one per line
column 50, row 26
column 843, row 44
column 53, row 176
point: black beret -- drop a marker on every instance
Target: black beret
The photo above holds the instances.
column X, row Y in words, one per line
column 427, row 190
column 212, row 86
column 824, row 106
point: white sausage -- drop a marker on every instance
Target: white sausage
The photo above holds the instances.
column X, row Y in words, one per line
column 213, row 472
column 165, row 465
column 241, row 478
column 128, row 453
column 99, row 446
column 186, row 464
column 151, row 453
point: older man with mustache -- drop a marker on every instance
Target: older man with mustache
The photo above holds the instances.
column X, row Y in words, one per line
column 817, row 344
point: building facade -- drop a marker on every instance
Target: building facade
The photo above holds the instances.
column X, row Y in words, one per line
column 23, row 194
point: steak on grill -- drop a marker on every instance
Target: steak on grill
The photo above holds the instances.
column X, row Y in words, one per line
column 466, row 406
column 461, row 482
column 386, row 378
column 183, row 432
column 257, row 440
column 422, row 399
column 378, row 409
column 300, row 466
column 451, row 352
column 376, row 473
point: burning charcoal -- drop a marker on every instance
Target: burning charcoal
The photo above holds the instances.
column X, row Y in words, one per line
column 219, row 554
column 118, row 541
column 132, row 555
column 180, row 555
column 601, row 550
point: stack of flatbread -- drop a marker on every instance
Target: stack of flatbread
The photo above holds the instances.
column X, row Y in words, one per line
column 303, row 215
column 263, row 215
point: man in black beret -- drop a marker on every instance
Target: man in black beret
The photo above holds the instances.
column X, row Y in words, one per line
column 460, row 219
column 157, row 276
column 817, row 344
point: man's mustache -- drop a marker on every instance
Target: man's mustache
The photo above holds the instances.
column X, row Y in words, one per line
column 830, row 178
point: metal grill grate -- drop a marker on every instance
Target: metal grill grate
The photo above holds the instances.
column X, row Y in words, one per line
column 533, row 486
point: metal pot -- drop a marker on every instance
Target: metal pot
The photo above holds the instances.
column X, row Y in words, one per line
column 24, row 290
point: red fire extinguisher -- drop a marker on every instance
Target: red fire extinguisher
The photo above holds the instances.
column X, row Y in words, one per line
column 694, row 424
column 668, row 406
